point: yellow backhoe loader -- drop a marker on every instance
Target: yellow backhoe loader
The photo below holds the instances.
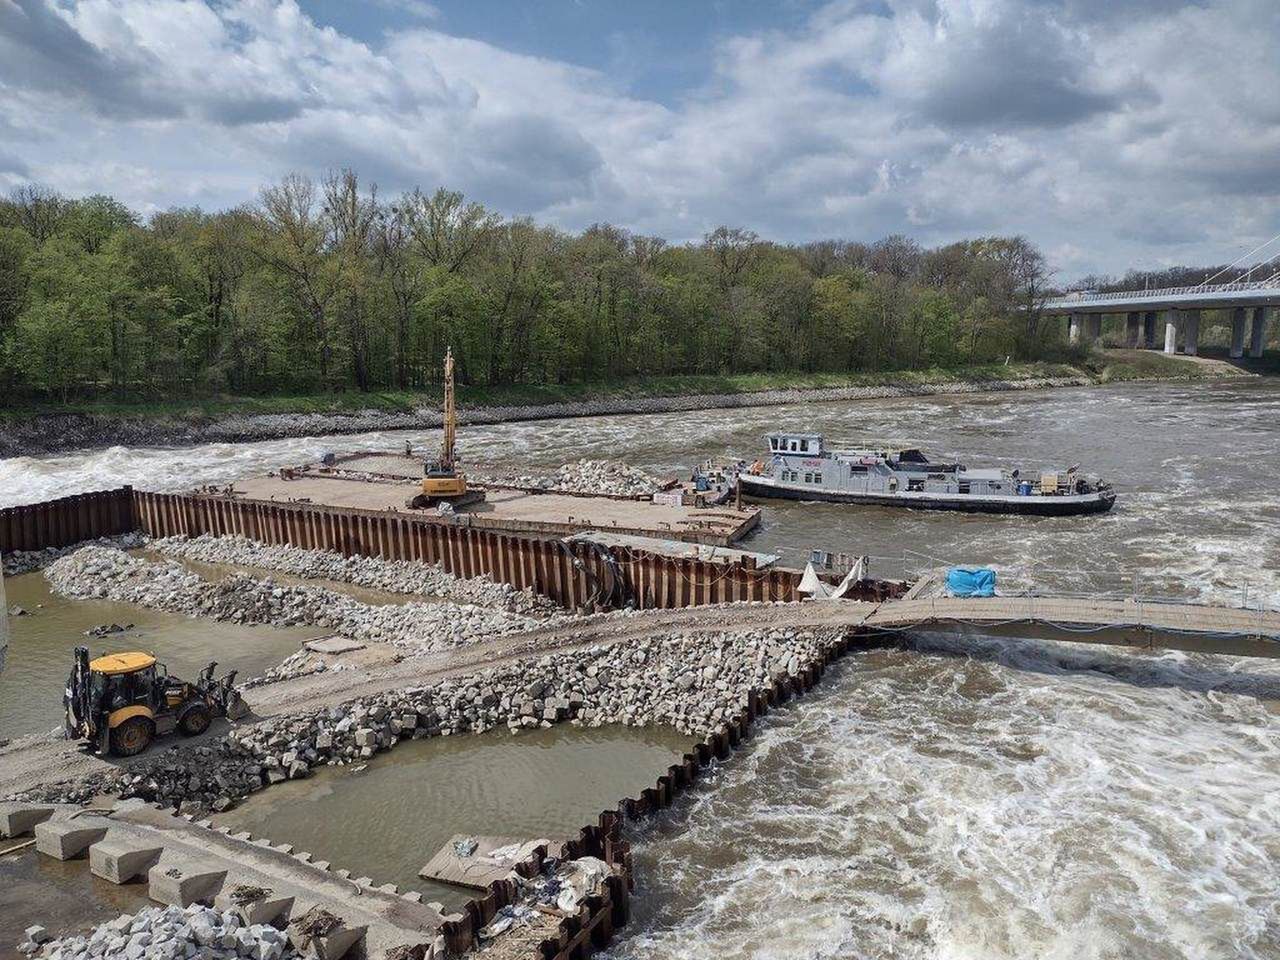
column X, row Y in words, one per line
column 120, row 702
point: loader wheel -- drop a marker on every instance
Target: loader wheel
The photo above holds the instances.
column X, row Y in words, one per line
column 132, row 737
column 195, row 721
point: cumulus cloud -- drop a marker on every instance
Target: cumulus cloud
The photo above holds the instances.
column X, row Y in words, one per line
column 1113, row 140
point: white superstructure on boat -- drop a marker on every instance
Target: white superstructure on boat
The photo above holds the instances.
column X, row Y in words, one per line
column 801, row 467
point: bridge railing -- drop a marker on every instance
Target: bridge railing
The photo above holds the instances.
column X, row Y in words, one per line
column 1163, row 292
column 1037, row 580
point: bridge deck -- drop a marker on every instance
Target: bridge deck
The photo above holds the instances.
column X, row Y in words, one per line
column 1257, row 294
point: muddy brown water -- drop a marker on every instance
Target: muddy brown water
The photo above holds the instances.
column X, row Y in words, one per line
column 60, row 895
column 41, row 646
column 388, row 820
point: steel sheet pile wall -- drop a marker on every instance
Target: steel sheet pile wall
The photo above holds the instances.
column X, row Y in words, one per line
column 61, row 523
column 594, row 924
column 573, row 574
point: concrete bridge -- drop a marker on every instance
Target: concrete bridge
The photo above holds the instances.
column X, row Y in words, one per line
column 1180, row 308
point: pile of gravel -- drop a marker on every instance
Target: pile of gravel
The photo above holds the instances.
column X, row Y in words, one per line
column 109, row 574
column 171, row 933
column 611, row 478
column 26, row 561
column 391, row 576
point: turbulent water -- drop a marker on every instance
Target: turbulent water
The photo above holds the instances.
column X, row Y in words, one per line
column 985, row 801
column 972, row 799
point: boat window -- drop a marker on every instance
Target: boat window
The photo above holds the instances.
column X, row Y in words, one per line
column 817, row 478
column 808, row 478
column 773, row 443
column 964, row 486
column 804, row 445
column 915, row 483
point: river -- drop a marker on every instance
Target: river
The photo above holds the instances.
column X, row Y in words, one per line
column 971, row 799
column 1194, row 465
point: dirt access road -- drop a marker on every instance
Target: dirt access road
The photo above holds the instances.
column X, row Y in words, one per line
column 42, row 762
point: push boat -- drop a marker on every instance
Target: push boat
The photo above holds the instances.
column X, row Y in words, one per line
column 802, row 467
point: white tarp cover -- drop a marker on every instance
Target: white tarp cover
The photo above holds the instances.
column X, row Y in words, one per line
column 856, row 573
column 812, row 585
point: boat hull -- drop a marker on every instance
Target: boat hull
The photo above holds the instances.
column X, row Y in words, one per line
column 1065, row 506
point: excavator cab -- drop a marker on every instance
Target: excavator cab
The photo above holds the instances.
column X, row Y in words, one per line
column 442, row 482
column 120, row 702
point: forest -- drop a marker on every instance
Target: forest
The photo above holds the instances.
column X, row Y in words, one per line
column 323, row 285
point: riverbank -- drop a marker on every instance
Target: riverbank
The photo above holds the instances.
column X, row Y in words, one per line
column 42, row 430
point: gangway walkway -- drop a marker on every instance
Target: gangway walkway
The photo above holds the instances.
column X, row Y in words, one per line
column 1126, row 622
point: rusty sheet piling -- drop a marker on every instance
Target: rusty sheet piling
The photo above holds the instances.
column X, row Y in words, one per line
column 574, row 575
column 67, row 521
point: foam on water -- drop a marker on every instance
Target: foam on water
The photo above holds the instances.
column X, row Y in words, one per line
column 982, row 800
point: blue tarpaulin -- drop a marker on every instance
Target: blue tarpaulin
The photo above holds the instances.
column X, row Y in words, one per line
column 971, row 582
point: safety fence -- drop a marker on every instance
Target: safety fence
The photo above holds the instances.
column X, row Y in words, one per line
column 574, row 574
column 593, row 925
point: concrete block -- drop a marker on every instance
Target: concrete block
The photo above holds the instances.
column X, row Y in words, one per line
column 120, row 858
column 331, row 945
column 182, row 881
column 267, row 909
column 67, row 839
column 19, row 819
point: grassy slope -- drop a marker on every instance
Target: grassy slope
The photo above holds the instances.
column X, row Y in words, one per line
column 1114, row 366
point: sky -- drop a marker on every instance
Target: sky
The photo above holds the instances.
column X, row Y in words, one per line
column 1116, row 134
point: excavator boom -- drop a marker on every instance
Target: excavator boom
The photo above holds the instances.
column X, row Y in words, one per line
column 450, row 413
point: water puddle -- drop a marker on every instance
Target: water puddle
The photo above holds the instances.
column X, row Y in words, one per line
column 60, row 895
column 41, row 645
column 389, row 819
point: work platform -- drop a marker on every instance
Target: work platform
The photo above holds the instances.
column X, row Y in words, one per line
column 517, row 511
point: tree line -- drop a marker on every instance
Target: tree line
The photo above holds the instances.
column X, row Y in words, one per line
column 325, row 285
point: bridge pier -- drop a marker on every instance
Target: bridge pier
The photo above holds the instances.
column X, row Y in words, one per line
column 1237, row 333
column 1191, row 336
column 1171, row 332
column 1133, row 329
column 1149, row 330
column 1073, row 328
column 1258, row 334
column 1095, row 327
